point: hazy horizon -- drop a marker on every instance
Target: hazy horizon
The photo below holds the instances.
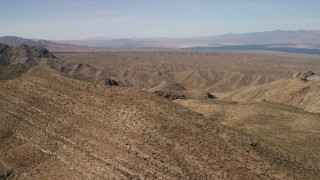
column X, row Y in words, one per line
column 81, row 19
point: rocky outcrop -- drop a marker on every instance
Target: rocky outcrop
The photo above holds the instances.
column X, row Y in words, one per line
column 3, row 47
column 4, row 54
column 14, row 61
column 23, row 54
column 26, row 51
column 211, row 96
column 307, row 76
column 170, row 95
column 111, row 82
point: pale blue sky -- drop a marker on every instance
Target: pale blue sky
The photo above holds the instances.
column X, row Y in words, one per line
column 79, row 19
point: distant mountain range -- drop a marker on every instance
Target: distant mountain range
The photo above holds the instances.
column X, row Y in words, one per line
column 309, row 39
column 305, row 37
column 268, row 37
column 107, row 42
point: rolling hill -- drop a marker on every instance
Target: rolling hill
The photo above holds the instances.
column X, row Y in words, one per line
column 196, row 73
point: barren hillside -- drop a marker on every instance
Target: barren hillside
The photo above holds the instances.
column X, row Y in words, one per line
column 286, row 136
column 52, row 126
column 305, row 95
column 60, row 119
column 197, row 72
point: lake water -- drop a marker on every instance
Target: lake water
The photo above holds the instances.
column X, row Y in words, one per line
column 258, row 48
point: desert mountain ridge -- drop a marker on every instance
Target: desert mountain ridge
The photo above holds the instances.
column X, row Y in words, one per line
column 17, row 41
column 267, row 37
column 298, row 39
column 14, row 61
column 14, row 55
column 23, row 57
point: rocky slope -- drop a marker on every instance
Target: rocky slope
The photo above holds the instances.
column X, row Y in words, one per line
column 285, row 135
column 196, row 72
column 295, row 92
column 56, row 127
column 83, row 72
column 16, row 60
column 22, row 54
